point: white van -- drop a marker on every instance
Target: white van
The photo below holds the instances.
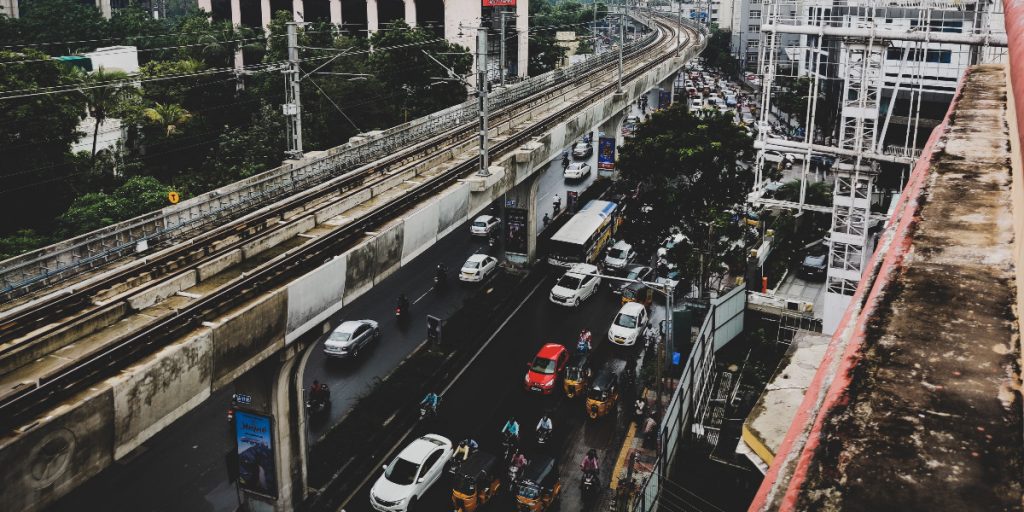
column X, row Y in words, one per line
column 575, row 286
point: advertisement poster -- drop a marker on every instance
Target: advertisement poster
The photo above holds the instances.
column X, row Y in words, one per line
column 664, row 99
column 256, row 470
column 499, row 3
column 606, row 154
column 515, row 240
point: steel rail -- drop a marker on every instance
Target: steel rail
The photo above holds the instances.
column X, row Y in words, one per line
column 30, row 401
column 18, row 322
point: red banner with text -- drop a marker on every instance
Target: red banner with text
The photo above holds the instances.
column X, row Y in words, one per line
column 499, row 3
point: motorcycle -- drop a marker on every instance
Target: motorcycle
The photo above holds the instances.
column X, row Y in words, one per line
column 440, row 277
column 543, row 436
column 510, row 446
column 589, row 485
column 317, row 405
column 231, row 415
column 638, row 411
column 401, row 310
column 427, row 412
column 513, row 475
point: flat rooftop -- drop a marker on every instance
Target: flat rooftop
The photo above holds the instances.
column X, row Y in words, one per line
column 916, row 405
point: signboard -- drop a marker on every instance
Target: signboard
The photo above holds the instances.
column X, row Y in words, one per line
column 515, row 232
column 499, row 3
column 606, row 154
column 664, row 99
column 173, row 197
column 257, row 472
column 241, row 398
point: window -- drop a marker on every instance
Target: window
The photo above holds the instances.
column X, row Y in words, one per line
column 754, row 28
column 936, row 56
column 752, row 43
column 755, row 13
column 942, row 25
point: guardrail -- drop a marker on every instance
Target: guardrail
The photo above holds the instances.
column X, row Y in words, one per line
column 53, row 263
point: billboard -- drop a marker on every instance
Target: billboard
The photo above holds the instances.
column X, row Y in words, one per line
column 515, row 223
column 606, row 153
column 254, row 438
column 499, row 3
column 664, row 99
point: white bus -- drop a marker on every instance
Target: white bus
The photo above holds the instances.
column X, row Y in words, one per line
column 582, row 239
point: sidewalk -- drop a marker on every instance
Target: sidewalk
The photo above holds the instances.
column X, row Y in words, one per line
column 637, row 460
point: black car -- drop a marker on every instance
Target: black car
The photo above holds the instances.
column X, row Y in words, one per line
column 632, row 272
column 814, row 266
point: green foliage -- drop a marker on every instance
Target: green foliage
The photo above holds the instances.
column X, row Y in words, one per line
column 686, row 168
column 718, row 54
column 20, row 241
column 78, row 24
column 35, row 136
column 818, row 193
column 138, row 195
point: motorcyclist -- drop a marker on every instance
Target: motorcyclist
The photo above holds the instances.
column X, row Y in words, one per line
column 565, row 160
column 511, row 429
column 638, row 409
column 317, row 392
column 584, row 344
column 441, row 272
column 466, row 448
column 519, row 462
column 590, row 463
column 431, row 401
column 403, row 302
column 544, row 425
column 556, row 203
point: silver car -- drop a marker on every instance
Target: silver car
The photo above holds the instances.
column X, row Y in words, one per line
column 350, row 337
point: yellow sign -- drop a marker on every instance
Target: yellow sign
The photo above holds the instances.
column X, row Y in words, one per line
column 173, row 197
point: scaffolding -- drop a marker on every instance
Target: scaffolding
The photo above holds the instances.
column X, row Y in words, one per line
column 877, row 74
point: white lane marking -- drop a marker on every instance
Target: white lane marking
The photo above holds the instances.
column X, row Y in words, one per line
column 424, row 295
column 402, row 439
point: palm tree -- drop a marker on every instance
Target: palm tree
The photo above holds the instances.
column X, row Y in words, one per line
column 104, row 91
column 170, row 116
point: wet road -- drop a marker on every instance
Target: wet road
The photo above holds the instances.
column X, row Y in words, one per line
column 182, row 468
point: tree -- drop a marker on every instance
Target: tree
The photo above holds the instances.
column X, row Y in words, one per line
column 104, row 91
column 74, row 26
column 169, row 116
column 133, row 26
column 718, row 53
column 687, row 169
column 89, row 212
column 36, row 133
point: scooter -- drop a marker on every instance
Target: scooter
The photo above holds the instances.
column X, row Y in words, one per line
column 513, row 475
column 510, row 445
column 543, row 436
column 316, row 406
column 588, row 486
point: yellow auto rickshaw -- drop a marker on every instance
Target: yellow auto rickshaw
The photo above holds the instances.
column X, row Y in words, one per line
column 539, row 485
column 476, row 482
column 577, row 374
column 603, row 394
column 638, row 292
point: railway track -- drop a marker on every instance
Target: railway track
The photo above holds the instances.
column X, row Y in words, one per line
column 19, row 330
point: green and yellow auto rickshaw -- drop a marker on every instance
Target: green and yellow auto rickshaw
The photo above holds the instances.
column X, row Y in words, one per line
column 577, row 374
column 476, row 482
column 539, row 486
column 603, row 395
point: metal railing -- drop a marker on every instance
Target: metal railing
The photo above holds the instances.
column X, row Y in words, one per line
column 95, row 248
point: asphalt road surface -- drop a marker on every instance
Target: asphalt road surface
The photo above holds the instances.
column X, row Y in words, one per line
column 491, row 391
column 182, row 468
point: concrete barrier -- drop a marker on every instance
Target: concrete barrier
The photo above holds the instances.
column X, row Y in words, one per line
column 315, row 296
column 249, row 335
column 259, row 245
column 218, row 264
column 162, row 291
column 159, row 390
column 420, row 231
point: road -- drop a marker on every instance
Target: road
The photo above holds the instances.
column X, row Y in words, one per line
column 182, row 467
column 491, row 391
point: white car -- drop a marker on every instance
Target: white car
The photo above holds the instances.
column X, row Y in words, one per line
column 629, row 322
column 477, row 268
column 483, row 225
column 350, row 337
column 787, row 159
column 620, row 255
column 411, row 473
column 576, row 285
column 577, row 170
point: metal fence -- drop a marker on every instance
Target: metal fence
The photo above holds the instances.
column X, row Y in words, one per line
column 723, row 322
column 92, row 249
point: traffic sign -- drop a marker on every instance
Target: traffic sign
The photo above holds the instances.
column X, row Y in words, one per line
column 173, row 197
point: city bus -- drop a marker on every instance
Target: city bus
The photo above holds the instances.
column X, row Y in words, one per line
column 582, row 239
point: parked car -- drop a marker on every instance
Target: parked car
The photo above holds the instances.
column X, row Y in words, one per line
column 477, row 268
column 620, row 255
column 815, row 263
column 632, row 272
column 577, row 171
column 576, row 285
column 747, row 118
column 350, row 337
column 409, row 475
column 542, row 373
column 629, row 322
column 582, row 150
column 484, row 225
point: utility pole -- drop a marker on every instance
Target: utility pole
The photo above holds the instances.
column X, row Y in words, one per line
column 679, row 24
column 292, row 107
column 481, row 94
column 595, row 28
column 622, row 41
column 503, row 61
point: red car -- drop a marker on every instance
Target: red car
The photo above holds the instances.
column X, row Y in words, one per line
column 543, row 371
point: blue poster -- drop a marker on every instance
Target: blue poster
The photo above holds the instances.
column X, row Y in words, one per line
column 606, row 153
column 257, row 471
column 664, row 99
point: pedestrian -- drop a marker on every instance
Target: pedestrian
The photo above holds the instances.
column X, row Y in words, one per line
column 547, row 220
column 556, row 204
column 650, row 431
